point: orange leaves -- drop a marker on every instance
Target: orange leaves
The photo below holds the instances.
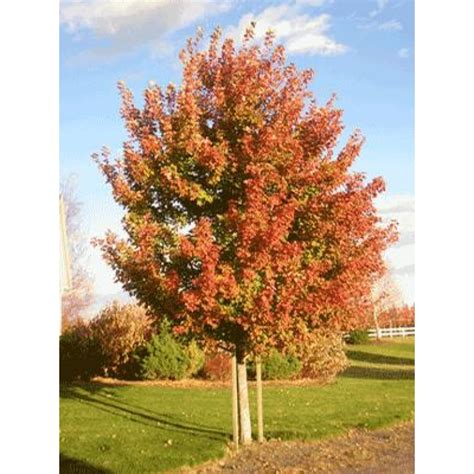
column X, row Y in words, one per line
column 212, row 158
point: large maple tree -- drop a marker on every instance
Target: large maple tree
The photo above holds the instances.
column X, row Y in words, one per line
column 245, row 225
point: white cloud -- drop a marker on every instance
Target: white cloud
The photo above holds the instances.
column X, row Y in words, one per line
column 130, row 24
column 396, row 204
column 392, row 25
column 311, row 3
column 406, row 238
column 401, row 256
column 314, row 43
column 402, row 209
column 301, row 33
column 403, row 53
column 381, row 4
column 406, row 270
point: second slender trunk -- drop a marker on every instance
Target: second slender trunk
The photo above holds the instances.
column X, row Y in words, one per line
column 245, row 427
column 259, row 400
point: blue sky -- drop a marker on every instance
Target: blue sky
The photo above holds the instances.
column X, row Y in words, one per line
column 360, row 49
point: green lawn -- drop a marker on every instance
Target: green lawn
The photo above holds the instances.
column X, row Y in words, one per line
column 144, row 429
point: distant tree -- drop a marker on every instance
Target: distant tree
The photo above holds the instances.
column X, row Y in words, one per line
column 244, row 226
column 407, row 315
column 398, row 316
column 81, row 296
column 386, row 298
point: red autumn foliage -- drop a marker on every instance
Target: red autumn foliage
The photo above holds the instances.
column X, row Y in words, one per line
column 217, row 367
column 244, row 224
column 403, row 316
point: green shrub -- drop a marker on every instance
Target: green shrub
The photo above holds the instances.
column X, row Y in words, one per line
column 196, row 358
column 163, row 357
column 80, row 356
column 357, row 337
column 277, row 366
column 319, row 355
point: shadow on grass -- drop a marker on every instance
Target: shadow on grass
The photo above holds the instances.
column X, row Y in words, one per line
column 68, row 465
column 378, row 374
column 379, row 358
column 97, row 397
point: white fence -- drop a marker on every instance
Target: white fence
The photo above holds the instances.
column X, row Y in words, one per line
column 392, row 332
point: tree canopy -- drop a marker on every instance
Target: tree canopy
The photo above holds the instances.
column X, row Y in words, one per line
column 244, row 223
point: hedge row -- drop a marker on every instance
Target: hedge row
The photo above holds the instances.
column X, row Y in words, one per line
column 122, row 342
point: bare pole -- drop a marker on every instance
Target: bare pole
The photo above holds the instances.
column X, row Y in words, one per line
column 235, row 403
column 258, row 363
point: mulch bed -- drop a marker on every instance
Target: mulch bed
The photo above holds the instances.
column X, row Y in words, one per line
column 387, row 450
column 200, row 383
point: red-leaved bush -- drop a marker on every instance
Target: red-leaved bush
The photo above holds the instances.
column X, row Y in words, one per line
column 80, row 356
column 217, row 367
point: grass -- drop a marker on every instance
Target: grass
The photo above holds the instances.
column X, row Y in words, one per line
column 130, row 429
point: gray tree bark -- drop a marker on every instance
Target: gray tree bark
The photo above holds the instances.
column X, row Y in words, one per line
column 235, row 403
column 245, row 426
column 259, row 400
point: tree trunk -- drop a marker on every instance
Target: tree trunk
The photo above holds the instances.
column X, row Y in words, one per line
column 259, row 400
column 245, row 427
column 377, row 329
column 235, row 404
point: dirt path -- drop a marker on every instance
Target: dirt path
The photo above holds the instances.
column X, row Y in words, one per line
column 388, row 450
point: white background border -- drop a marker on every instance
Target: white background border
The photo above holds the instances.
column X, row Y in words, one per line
column 444, row 236
column 444, row 156
column 29, row 246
